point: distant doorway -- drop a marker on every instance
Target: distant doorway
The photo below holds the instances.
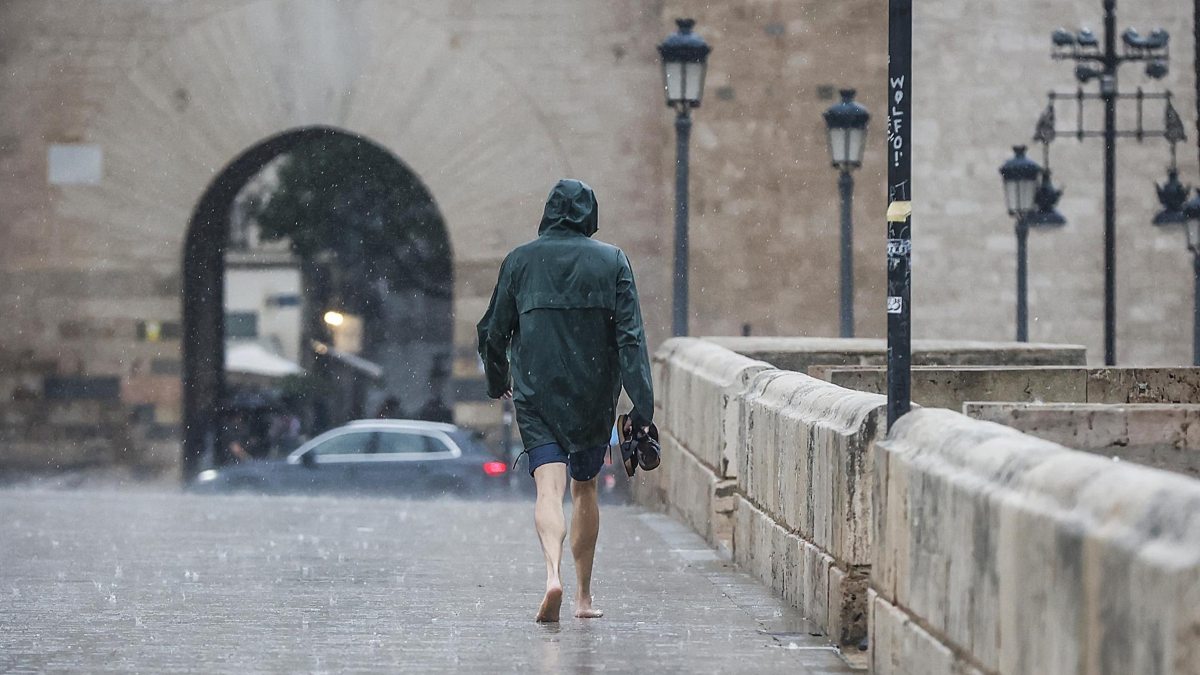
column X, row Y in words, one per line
column 323, row 262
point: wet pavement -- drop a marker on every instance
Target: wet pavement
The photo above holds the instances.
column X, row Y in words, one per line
column 167, row 582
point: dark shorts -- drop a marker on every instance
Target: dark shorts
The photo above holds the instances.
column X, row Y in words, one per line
column 582, row 466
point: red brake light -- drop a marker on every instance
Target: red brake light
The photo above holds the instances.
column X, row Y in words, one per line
column 495, row 468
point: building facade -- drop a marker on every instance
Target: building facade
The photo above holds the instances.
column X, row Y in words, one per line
column 117, row 116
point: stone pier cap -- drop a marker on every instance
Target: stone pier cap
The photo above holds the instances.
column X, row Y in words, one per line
column 800, row 353
column 952, row 386
column 1164, row 436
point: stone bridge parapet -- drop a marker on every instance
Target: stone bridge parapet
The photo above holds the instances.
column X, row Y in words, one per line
column 951, row 546
column 774, row 465
column 997, row 552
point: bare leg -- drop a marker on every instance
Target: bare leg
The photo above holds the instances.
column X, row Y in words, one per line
column 551, row 481
column 585, row 526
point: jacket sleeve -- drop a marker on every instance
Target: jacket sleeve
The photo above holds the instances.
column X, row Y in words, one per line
column 631, row 346
column 495, row 331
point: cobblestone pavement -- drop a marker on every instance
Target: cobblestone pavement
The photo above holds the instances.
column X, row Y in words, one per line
column 166, row 582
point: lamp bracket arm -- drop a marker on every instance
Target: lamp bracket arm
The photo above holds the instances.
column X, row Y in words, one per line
column 1098, row 58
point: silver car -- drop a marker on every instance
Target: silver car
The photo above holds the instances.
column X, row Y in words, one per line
column 396, row 457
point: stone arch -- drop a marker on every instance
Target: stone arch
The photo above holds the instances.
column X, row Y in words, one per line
column 203, row 282
column 241, row 73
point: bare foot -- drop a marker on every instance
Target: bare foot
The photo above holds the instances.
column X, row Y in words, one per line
column 584, row 609
column 551, row 603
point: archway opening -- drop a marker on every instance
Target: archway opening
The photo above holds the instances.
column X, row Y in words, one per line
column 317, row 282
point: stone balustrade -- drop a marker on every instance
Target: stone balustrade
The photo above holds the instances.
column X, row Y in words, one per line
column 953, row 546
column 777, row 464
column 997, row 552
column 803, row 498
column 696, row 486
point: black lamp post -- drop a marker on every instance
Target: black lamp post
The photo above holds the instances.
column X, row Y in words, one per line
column 846, row 124
column 684, row 60
column 899, row 210
column 1020, row 175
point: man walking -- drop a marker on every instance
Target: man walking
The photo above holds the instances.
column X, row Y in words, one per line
column 562, row 335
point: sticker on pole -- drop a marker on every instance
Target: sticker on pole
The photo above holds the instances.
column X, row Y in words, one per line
column 899, row 248
column 895, row 304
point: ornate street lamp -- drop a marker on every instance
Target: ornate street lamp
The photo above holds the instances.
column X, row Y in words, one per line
column 846, row 124
column 1173, row 196
column 684, row 61
column 1046, row 214
column 1020, row 175
column 1169, row 216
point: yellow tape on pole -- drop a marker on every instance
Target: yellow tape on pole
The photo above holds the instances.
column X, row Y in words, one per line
column 898, row 212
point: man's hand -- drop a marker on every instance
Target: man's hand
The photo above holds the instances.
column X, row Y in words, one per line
column 507, row 395
column 629, row 427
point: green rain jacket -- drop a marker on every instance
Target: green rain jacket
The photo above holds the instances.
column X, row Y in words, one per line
column 564, row 330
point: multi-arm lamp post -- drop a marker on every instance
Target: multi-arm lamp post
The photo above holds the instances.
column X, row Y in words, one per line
column 1030, row 198
column 1097, row 58
column 846, row 124
column 684, row 60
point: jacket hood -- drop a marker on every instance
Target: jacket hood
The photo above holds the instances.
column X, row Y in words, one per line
column 571, row 206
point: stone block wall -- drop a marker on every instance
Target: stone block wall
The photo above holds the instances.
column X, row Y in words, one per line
column 51, row 421
column 489, row 105
column 996, row 552
column 763, row 194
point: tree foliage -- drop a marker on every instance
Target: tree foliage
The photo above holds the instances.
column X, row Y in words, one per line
column 346, row 202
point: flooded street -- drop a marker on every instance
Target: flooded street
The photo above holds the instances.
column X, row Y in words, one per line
column 157, row 581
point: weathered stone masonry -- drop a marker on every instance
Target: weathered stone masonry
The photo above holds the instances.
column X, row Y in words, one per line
column 956, row 546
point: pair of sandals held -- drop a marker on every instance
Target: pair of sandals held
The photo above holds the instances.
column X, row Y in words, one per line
column 639, row 448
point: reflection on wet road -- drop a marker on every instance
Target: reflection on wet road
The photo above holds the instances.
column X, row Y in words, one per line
column 166, row 582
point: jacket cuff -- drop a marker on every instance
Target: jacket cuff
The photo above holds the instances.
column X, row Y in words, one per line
column 638, row 420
